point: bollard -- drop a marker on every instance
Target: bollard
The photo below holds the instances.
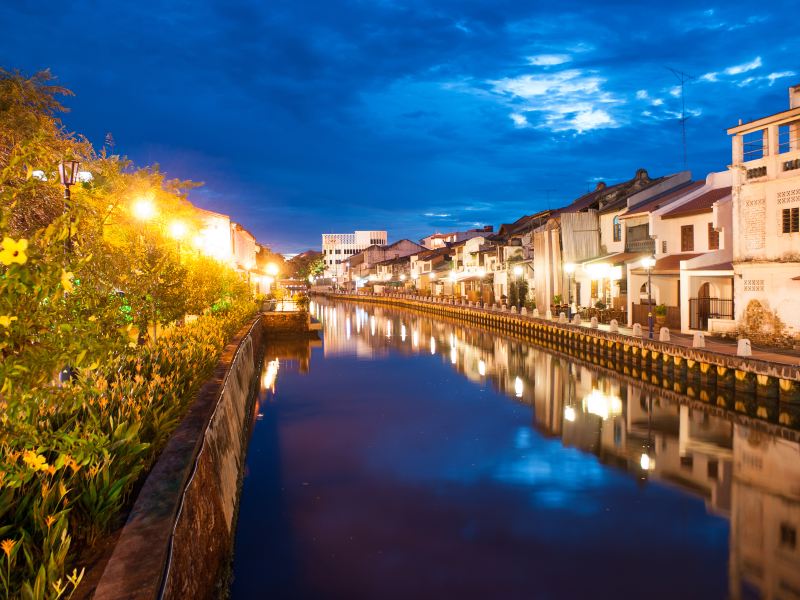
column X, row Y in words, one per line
column 637, row 330
column 576, row 320
column 503, row 308
column 524, row 312
column 513, row 310
column 562, row 317
column 743, row 348
column 613, row 327
column 698, row 340
column 594, row 323
column 549, row 315
column 535, row 313
column 663, row 335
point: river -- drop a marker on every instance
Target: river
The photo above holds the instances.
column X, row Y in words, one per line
column 410, row 457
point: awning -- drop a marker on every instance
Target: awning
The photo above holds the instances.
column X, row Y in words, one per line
column 667, row 265
column 618, row 258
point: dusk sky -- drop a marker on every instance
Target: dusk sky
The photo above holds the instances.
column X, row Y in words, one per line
column 309, row 117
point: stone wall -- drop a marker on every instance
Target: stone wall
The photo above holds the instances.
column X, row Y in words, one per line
column 284, row 324
column 178, row 537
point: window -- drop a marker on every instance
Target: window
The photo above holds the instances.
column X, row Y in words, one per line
column 617, row 230
column 790, row 220
column 663, row 246
column 713, row 237
column 713, row 469
column 687, row 238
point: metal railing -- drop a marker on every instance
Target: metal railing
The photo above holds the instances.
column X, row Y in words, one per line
column 703, row 309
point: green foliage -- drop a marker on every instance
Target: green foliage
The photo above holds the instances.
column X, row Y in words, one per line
column 660, row 310
column 84, row 409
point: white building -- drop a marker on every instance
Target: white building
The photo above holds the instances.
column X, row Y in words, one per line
column 338, row 247
column 766, row 214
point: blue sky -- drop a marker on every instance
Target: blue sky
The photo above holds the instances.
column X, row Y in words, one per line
column 305, row 117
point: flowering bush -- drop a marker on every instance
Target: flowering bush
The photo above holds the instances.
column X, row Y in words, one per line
column 88, row 396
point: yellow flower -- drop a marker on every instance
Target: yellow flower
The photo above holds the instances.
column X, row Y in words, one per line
column 66, row 280
column 5, row 320
column 14, row 252
column 50, row 520
column 8, row 546
column 37, row 462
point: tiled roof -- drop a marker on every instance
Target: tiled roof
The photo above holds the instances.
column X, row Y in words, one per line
column 662, row 200
column 699, row 205
column 726, row 266
column 669, row 264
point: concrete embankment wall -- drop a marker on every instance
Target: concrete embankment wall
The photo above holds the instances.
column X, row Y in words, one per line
column 177, row 540
column 757, row 388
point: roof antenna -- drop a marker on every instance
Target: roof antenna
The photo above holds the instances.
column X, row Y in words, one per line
column 682, row 78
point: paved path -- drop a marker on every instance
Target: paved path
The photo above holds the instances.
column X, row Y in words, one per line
column 720, row 345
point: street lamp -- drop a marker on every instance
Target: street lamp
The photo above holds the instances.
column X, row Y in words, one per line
column 144, row 209
column 68, row 174
column 518, row 274
column 569, row 269
column 648, row 263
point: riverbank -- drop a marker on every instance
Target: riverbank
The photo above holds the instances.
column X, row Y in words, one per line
column 762, row 388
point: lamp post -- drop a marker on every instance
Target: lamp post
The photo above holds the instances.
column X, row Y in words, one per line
column 569, row 268
column 648, row 263
column 68, row 174
column 518, row 274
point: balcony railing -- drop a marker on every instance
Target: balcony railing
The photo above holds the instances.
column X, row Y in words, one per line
column 646, row 245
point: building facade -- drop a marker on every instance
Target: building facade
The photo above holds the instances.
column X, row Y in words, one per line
column 338, row 247
column 766, row 215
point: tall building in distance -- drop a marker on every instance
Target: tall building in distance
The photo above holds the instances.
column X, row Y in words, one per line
column 338, row 247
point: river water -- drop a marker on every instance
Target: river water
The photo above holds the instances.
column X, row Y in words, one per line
column 411, row 457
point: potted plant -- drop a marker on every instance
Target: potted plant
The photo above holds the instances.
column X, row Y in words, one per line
column 660, row 313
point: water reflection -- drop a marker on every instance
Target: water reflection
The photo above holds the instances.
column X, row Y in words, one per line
column 745, row 471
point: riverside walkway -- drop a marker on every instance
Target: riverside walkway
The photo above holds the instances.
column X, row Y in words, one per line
column 712, row 343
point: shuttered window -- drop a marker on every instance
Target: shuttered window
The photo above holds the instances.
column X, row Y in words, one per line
column 713, row 237
column 790, row 219
column 687, row 238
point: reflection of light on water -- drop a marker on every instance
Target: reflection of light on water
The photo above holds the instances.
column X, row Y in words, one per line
column 518, row 387
column 388, row 328
column 372, row 325
column 602, row 405
column 347, row 327
column 415, row 338
column 433, row 345
column 402, row 332
column 452, row 340
column 569, row 414
column 453, row 356
column 270, row 374
column 646, row 462
column 481, row 368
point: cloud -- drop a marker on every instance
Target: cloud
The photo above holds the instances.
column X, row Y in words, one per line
column 437, row 215
column 519, row 120
column 568, row 100
column 657, row 102
column 549, row 60
column 744, row 67
column 773, row 76
column 675, row 91
column 642, row 95
column 711, row 76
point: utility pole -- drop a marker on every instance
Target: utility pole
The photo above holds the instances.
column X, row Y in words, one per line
column 682, row 78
